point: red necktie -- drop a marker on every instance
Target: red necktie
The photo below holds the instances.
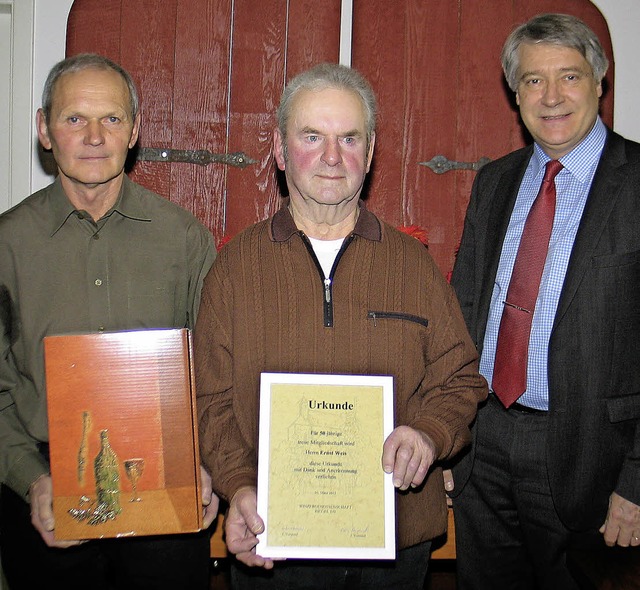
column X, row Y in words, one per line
column 510, row 368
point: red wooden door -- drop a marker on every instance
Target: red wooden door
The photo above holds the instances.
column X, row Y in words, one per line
column 436, row 68
column 211, row 73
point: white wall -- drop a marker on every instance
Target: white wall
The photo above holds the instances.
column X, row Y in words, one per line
column 39, row 41
column 32, row 39
column 623, row 18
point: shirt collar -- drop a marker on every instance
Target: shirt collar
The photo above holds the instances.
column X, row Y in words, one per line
column 283, row 226
column 581, row 159
column 61, row 207
column 129, row 204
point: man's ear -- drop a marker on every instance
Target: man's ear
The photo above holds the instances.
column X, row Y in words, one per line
column 372, row 143
column 135, row 131
column 278, row 149
column 43, row 130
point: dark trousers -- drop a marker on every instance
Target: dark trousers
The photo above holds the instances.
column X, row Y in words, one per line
column 165, row 562
column 407, row 572
column 508, row 534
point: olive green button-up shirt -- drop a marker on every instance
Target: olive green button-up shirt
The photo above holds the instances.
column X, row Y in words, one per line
column 139, row 267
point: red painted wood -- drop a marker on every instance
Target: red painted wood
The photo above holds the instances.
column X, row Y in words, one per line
column 94, row 26
column 259, row 46
column 313, row 34
column 486, row 122
column 269, row 45
column 436, row 69
column 408, row 52
column 210, row 79
column 380, row 57
column 211, row 72
column 148, row 44
column 200, row 105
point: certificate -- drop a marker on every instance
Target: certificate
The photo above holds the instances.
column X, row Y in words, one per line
column 322, row 492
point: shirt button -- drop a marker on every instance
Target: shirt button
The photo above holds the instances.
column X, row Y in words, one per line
column 98, row 282
column 96, row 237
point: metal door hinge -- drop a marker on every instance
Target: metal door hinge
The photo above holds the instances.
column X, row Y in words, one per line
column 200, row 157
column 442, row 164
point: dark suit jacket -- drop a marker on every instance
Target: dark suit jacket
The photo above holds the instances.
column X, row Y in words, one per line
column 593, row 444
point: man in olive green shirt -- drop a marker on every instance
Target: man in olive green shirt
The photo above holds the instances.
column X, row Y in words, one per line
column 92, row 252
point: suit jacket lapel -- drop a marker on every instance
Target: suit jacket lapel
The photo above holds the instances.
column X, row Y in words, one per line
column 601, row 200
column 498, row 220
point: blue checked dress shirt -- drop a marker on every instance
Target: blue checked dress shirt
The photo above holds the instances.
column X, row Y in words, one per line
column 572, row 188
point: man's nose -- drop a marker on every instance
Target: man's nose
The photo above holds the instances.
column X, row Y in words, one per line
column 331, row 154
column 552, row 93
column 94, row 133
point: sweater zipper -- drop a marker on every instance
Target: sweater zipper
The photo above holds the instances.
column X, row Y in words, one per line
column 327, row 300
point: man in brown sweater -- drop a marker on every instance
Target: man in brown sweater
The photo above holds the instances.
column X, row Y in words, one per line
column 325, row 287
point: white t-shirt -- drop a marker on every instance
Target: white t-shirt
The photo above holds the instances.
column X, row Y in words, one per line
column 326, row 252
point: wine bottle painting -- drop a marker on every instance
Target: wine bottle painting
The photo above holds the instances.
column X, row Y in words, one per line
column 107, row 474
column 83, row 451
column 107, row 504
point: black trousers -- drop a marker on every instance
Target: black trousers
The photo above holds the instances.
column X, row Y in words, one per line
column 508, row 534
column 407, row 572
column 168, row 562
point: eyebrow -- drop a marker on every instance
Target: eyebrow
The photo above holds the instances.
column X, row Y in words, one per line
column 561, row 71
column 312, row 131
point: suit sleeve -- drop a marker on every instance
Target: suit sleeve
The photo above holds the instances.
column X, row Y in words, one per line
column 463, row 278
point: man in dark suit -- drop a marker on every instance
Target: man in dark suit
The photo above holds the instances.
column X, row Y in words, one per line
column 556, row 460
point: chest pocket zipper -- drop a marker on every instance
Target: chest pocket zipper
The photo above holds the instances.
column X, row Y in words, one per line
column 396, row 315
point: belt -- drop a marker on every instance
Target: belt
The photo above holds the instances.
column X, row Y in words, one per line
column 519, row 407
column 526, row 409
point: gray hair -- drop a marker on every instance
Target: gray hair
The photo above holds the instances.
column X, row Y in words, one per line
column 327, row 75
column 86, row 61
column 554, row 29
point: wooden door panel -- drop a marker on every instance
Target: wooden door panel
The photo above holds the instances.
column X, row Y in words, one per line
column 149, row 46
column 200, row 105
column 418, row 76
column 94, row 26
column 379, row 57
column 258, row 64
column 313, row 35
column 269, row 43
column 486, row 123
column 211, row 73
column 400, row 48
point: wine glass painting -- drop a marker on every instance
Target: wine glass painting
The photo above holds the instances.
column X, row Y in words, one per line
column 134, row 469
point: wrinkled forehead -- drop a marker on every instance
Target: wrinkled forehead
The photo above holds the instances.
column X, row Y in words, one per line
column 327, row 106
column 101, row 83
column 535, row 57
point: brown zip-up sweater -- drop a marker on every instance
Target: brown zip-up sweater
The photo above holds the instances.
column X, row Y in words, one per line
column 385, row 311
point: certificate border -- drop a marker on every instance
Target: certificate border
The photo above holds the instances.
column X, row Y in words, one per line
column 388, row 551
